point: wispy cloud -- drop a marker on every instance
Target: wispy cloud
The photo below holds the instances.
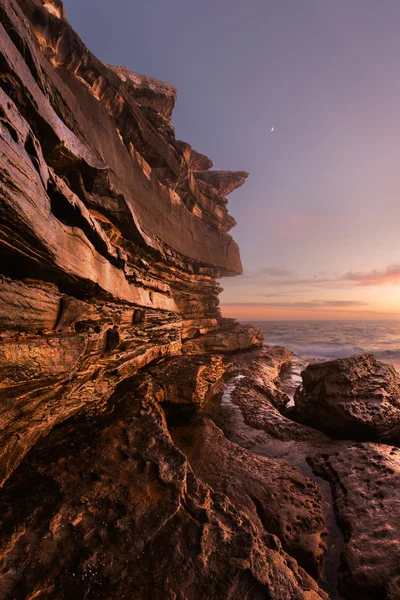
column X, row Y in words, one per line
column 287, row 278
column 312, row 304
column 389, row 275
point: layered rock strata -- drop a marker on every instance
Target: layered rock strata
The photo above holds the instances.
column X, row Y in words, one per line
column 113, row 236
column 110, row 246
column 142, row 453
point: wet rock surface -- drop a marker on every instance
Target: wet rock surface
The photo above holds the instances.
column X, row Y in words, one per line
column 355, row 398
column 359, row 481
column 273, row 493
column 262, row 403
column 365, row 479
column 249, row 416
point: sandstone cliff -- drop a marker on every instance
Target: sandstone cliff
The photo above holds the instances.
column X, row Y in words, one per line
column 113, row 236
column 147, row 446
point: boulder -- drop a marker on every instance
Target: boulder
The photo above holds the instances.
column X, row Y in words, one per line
column 356, row 398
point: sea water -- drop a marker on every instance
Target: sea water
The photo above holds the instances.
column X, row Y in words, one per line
column 336, row 339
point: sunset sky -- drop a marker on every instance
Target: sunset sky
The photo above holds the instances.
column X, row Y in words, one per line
column 319, row 217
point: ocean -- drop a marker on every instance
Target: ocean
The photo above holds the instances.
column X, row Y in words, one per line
column 336, row 339
column 312, row 340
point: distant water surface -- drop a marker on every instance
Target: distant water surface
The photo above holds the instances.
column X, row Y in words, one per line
column 336, row 339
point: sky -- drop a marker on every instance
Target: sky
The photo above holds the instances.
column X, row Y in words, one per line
column 318, row 218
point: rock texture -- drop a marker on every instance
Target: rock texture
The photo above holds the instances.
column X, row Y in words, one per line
column 360, row 505
column 224, row 182
column 231, row 337
column 110, row 248
column 146, row 448
column 273, row 493
column 253, row 388
column 113, row 236
column 365, row 479
column 356, row 397
column 115, row 511
column 187, row 380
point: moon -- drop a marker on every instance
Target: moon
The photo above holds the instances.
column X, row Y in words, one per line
column 272, row 129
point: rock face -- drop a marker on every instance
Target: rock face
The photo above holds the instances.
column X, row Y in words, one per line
column 116, row 478
column 356, row 397
column 113, row 235
column 224, row 182
column 187, row 380
column 231, row 337
column 110, row 249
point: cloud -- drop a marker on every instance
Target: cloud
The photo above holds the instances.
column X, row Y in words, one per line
column 287, row 278
column 389, row 275
column 344, row 303
column 312, row 304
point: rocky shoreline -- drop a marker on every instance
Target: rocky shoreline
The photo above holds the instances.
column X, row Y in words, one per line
column 148, row 446
column 360, row 506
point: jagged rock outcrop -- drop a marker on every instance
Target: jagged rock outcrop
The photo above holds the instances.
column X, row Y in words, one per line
column 356, row 397
column 110, row 251
column 224, row 182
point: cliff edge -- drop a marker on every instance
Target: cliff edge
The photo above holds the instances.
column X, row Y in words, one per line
column 113, row 236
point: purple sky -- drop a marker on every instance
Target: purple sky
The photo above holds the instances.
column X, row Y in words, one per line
column 318, row 218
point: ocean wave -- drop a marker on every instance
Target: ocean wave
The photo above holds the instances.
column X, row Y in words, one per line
column 330, row 340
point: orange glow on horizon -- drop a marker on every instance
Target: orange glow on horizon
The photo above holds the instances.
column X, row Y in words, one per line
column 266, row 313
